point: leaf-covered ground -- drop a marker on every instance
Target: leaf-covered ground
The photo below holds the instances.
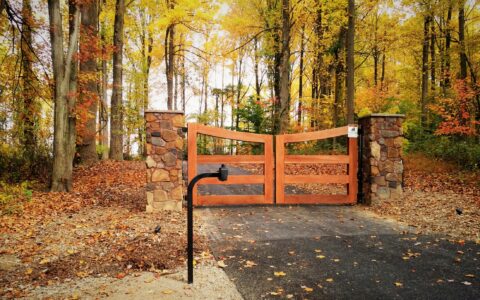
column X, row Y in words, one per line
column 438, row 197
column 100, row 229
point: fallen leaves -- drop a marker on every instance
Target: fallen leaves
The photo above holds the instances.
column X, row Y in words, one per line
column 249, row 264
column 221, row 264
column 398, row 284
column 99, row 229
column 409, row 254
column 307, row 289
column 44, row 261
column 431, row 197
column 279, row 274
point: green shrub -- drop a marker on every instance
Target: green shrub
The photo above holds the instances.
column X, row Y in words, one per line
column 101, row 149
column 16, row 165
column 13, row 196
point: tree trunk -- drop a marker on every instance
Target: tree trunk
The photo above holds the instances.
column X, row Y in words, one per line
column 88, row 82
column 283, row 112
column 300, row 78
column 339, row 70
column 201, row 95
column 424, row 94
column 432, row 56
column 351, row 62
column 448, row 40
column 222, row 99
column 170, row 58
column 146, row 51
column 29, row 110
column 116, row 115
column 216, row 108
column 382, row 76
column 318, row 82
column 461, row 40
column 103, row 113
column 376, row 52
column 258, row 88
column 64, row 132
column 239, row 91
column 384, row 56
column 205, row 90
column 184, row 78
column 175, row 89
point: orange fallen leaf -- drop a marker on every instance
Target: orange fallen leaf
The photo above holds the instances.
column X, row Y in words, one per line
column 249, row 264
column 307, row 289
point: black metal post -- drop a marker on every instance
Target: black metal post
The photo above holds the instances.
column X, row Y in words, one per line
column 222, row 175
column 360, row 194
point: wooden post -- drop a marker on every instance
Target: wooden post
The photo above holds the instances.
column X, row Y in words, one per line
column 280, row 169
column 268, row 170
column 192, row 157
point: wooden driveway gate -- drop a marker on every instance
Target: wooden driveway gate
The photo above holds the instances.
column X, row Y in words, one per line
column 267, row 159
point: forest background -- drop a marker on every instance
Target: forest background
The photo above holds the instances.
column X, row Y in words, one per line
column 77, row 76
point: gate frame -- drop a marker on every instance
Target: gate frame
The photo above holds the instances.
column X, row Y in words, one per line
column 266, row 159
column 351, row 159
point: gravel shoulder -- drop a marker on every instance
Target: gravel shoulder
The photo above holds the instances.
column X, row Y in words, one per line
column 210, row 282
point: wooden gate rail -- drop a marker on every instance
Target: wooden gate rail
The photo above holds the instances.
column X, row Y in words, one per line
column 350, row 179
column 266, row 159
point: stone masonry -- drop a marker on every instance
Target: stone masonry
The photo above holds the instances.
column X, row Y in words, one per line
column 382, row 157
column 164, row 160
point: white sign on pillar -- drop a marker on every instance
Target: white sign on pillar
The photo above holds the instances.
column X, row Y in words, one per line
column 352, row 131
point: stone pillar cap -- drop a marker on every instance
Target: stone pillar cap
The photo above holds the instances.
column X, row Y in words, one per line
column 380, row 115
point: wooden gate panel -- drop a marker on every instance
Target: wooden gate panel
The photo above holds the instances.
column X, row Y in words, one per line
column 266, row 159
column 350, row 179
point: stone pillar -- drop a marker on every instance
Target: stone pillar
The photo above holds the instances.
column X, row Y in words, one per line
column 382, row 157
column 165, row 141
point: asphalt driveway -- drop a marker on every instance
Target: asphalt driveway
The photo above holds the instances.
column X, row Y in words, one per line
column 325, row 252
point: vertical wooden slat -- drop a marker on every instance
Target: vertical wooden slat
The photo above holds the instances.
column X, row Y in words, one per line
column 268, row 169
column 352, row 169
column 280, row 169
column 192, row 156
